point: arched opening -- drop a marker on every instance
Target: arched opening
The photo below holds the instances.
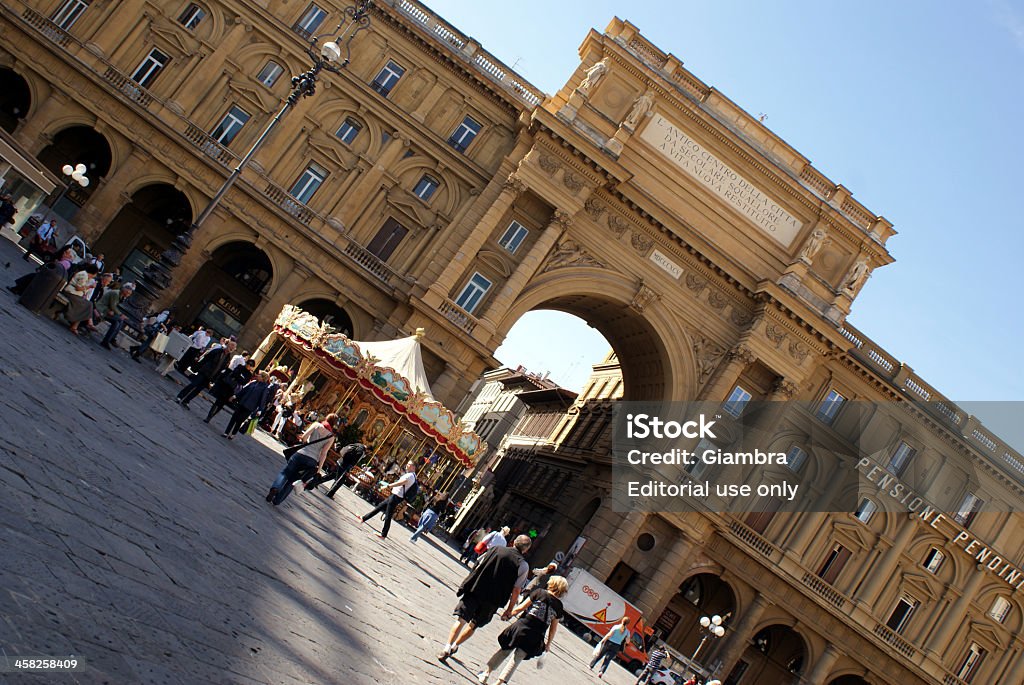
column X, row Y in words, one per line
column 848, row 680
column 775, row 655
column 227, row 289
column 330, row 313
column 15, row 99
column 704, row 594
column 144, row 228
column 77, row 145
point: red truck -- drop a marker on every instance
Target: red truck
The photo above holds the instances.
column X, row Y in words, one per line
column 599, row 609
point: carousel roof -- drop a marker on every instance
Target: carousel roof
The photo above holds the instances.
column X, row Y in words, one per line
column 402, row 355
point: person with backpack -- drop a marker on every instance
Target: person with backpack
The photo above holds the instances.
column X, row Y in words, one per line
column 306, row 462
column 405, row 488
column 348, row 456
column 428, row 519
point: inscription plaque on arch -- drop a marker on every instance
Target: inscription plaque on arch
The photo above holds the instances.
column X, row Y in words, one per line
column 715, row 175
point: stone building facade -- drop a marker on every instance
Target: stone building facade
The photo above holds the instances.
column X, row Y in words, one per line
column 428, row 185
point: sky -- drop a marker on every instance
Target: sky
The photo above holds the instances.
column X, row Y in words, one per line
column 914, row 106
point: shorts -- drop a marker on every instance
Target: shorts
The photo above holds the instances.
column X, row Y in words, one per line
column 472, row 610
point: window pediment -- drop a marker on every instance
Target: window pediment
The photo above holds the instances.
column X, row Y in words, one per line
column 495, row 261
column 172, row 35
column 404, row 201
column 254, row 98
column 984, row 633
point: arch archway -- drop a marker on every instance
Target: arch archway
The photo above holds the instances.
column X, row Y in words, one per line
column 776, row 655
column 144, row 228
column 849, row 680
column 653, row 349
column 77, row 145
column 329, row 312
column 704, row 594
column 227, row 289
column 15, row 99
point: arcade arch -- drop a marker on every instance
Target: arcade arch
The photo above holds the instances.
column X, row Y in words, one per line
column 777, row 655
column 704, row 594
column 144, row 228
column 330, row 313
column 77, row 145
column 227, row 289
column 15, row 99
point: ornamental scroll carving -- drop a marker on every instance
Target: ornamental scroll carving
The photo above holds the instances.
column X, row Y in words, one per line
column 717, row 300
column 774, row 334
column 548, row 163
column 695, row 282
column 594, row 208
column 799, row 351
column 641, row 243
column 708, row 355
column 572, row 182
column 569, row 253
column 643, row 298
column 617, row 224
column 514, row 184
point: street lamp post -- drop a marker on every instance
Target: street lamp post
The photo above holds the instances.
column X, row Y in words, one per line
column 76, row 175
column 710, row 626
column 157, row 276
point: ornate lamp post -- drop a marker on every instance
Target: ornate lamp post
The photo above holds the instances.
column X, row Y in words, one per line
column 710, row 626
column 77, row 175
column 326, row 57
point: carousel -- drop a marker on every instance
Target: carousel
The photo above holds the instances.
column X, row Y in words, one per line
column 380, row 390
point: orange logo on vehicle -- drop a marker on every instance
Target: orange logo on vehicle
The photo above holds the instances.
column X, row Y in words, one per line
column 602, row 615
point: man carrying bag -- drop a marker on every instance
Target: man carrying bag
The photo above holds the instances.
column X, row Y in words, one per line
column 305, row 460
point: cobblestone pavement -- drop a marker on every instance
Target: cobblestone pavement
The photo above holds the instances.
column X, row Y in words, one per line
column 137, row 539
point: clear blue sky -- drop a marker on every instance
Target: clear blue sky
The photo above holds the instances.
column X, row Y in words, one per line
column 914, row 106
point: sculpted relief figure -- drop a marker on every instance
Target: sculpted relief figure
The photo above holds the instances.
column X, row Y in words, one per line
column 858, row 274
column 593, row 77
column 641, row 107
column 817, row 240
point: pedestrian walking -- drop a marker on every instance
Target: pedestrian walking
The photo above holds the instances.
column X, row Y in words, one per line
column 305, row 463
column 496, row 580
column 496, row 538
column 249, row 402
column 206, row 368
column 200, row 339
column 348, row 456
column 404, row 486
column 469, row 546
column 530, row 636
column 43, row 240
column 613, row 642
column 151, row 327
column 540, row 576
column 654, row 660
column 226, row 384
column 428, row 519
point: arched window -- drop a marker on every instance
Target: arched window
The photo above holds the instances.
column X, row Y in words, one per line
column 192, row 16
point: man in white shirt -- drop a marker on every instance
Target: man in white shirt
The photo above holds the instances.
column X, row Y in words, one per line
column 405, row 485
column 44, row 233
column 238, row 360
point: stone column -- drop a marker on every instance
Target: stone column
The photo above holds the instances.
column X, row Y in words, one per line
column 206, row 75
column 456, row 268
column 812, row 521
column 738, row 359
column 121, row 18
column 262, row 319
column 822, row 666
column 954, row 618
column 609, row 547
column 882, row 572
column 738, row 637
column 527, row 268
column 444, row 385
column 55, row 103
column 668, row 575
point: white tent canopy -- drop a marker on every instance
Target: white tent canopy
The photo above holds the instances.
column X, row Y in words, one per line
column 402, row 355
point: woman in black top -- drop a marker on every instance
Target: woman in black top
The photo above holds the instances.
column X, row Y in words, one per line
column 532, row 634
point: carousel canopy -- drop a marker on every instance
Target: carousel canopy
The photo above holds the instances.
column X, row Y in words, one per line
column 392, row 370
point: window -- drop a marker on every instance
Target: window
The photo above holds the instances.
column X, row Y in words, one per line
column 900, row 459
column 474, row 291
column 866, row 510
column 901, row 614
column 462, row 136
column 424, row 190
column 1000, row 609
column 310, row 21
column 348, row 131
column 934, row 560
column 270, row 73
column 968, row 509
column 971, row 663
column 387, row 239
column 758, row 520
column 699, row 466
column 192, row 15
column 68, row 13
column 387, row 78
column 311, row 179
column 795, row 458
column 833, row 564
column 737, row 400
column 230, row 125
column 150, row 68
column 513, row 237
column 830, row 407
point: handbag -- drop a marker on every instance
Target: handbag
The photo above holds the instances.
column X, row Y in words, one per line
column 289, row 452
column 250, row 427
column 480, row 547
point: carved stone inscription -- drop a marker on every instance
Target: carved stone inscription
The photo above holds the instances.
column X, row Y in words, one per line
column 715, row 175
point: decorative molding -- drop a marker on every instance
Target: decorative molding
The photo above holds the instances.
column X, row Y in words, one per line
column 708, row 355
column 799, row 351
column 775, row 334
column 561, row 218
column 641, row 243
column 569, row 253
column 548, row 163
column 695, row 282
column 595, row 209
column 617, row 224
column 572, row 182
column 717, row 300
column 495, row 261
column 643, row 298
column 514, row 184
